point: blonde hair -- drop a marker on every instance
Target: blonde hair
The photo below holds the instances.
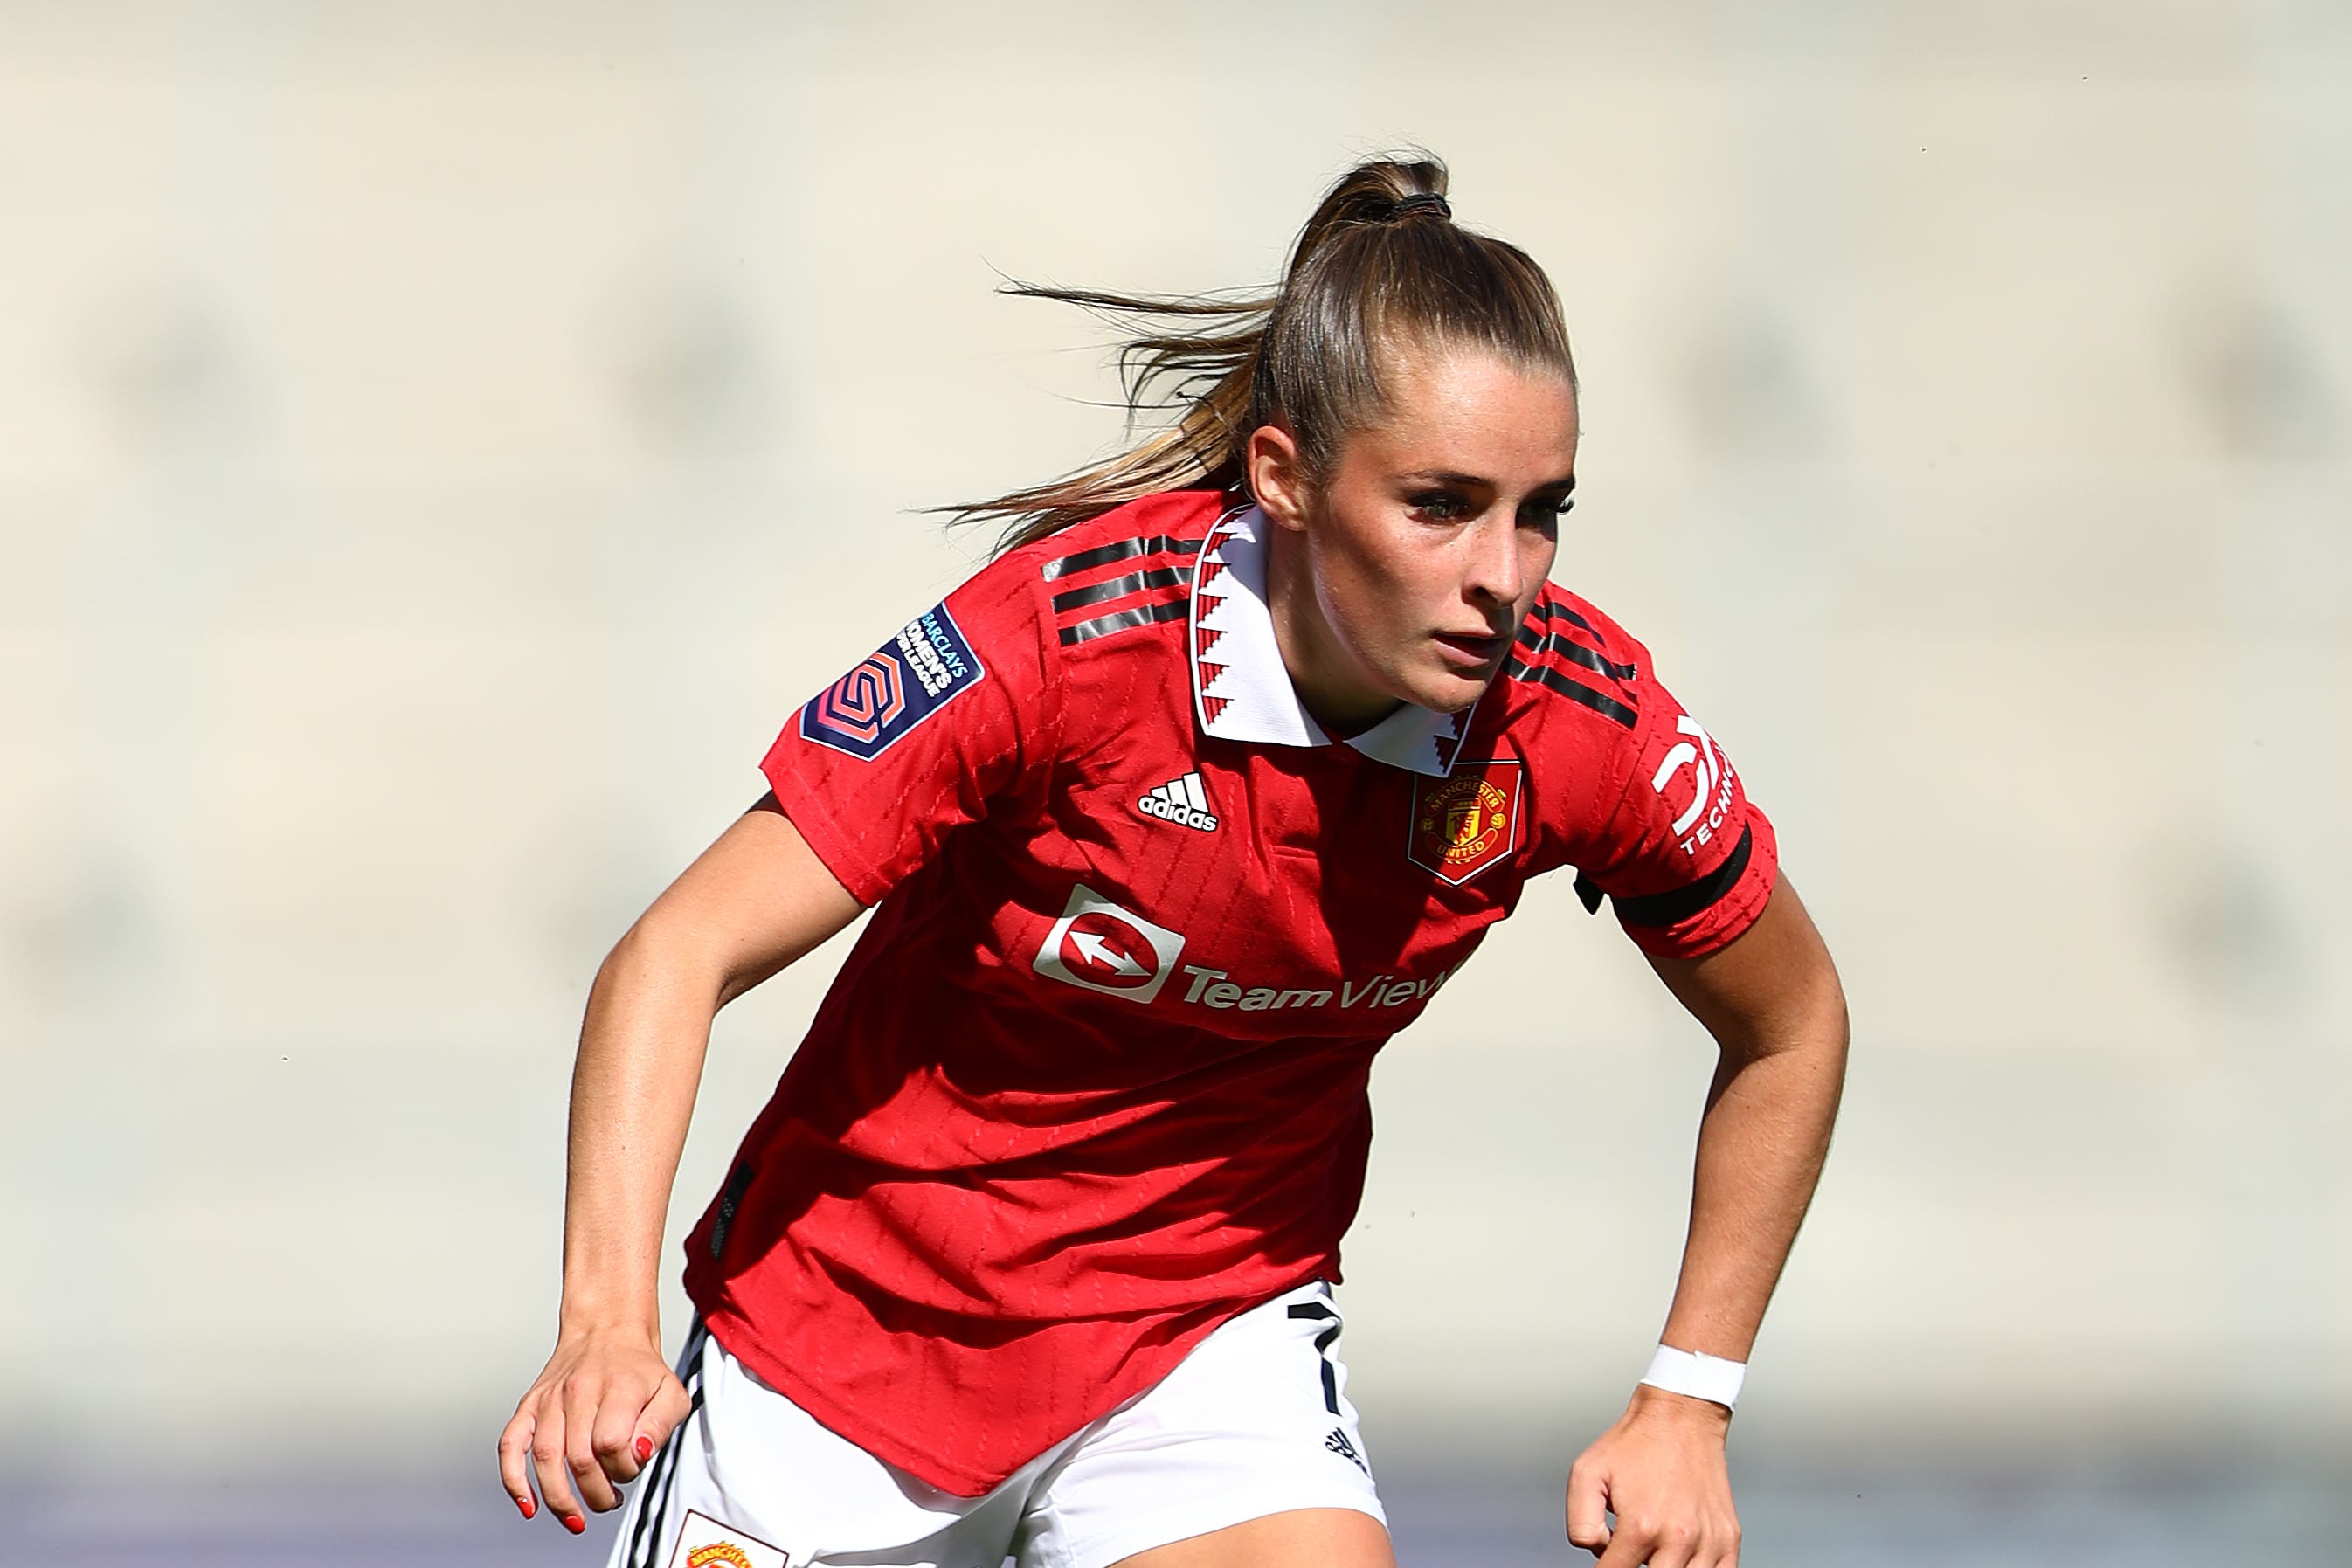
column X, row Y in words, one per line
column 1380, row 263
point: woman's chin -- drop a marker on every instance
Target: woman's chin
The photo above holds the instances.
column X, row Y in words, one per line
column 1449, row 690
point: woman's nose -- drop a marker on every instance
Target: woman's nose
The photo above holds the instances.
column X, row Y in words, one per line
column 1496, row 570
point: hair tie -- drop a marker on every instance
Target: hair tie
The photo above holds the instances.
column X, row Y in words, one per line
column 1418, row 200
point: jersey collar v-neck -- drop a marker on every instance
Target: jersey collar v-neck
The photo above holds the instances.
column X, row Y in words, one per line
column 1241, row 690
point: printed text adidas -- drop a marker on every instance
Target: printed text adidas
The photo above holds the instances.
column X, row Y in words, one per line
column 1182, row 801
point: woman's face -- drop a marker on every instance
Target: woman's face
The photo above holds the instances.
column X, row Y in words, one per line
column 1406, row 576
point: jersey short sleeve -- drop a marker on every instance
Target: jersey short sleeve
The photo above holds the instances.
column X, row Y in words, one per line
column 1671, row 838
column 952, row 720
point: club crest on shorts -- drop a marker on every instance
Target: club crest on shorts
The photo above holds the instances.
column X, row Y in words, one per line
column 1465, row 822
column 895, row 688
column 704, row 1542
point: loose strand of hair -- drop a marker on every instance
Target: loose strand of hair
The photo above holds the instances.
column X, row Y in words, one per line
column 1380, row 261
column 1202, row 377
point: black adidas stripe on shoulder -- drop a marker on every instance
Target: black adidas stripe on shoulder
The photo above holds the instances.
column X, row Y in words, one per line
column 1553, row 610
column 1537, row 645
column 1123, row 620
column 1574, row 690
column 1146, row 580
column 1117, row 588
column 1552, row 640
column 1120, row 550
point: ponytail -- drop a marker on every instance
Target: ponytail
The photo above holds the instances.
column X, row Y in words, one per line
column 1379, row 263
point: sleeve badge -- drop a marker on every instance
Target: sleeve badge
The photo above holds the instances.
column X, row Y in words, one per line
column 895, row 688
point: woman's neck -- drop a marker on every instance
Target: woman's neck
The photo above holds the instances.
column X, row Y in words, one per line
column 1332, row 687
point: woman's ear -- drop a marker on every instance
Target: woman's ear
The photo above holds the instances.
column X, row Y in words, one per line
column 1277, row 478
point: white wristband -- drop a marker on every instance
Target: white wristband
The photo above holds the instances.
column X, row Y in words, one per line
column 1696, row 1374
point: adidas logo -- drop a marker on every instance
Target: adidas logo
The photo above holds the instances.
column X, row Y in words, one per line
column 1338, row 1443
column 1182, row 801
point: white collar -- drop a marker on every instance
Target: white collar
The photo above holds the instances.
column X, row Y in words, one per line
column 1241, row 690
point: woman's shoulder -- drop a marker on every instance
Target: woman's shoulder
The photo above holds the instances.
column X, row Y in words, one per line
column 1571, row 653
column 1151, row 525
column 1560, row 605
column 1126, row 567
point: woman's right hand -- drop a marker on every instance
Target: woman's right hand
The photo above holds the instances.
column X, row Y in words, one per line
column 750, row 904
column 606, row 1402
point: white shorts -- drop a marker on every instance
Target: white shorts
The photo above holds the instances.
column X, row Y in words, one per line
column 1254, row 1421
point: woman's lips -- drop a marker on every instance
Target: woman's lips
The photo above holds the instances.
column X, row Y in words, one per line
column 1471, row 652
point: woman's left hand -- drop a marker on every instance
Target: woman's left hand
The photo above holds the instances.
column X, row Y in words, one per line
column 1660, row 1469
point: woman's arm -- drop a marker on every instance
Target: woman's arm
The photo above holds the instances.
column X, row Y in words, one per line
column 752, row 903
column 1772, row 1002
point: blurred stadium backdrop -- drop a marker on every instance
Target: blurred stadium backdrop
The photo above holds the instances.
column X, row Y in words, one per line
column 440, row 443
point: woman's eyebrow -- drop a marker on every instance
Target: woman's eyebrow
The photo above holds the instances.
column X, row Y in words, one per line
column 1565, row 483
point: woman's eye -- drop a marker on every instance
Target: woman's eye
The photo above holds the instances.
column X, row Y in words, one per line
column 1545, row 515
column 1439, row 505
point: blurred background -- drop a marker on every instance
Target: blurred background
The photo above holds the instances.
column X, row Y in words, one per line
column 440, row 443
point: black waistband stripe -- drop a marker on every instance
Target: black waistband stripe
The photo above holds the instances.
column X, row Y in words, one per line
column 1681, row 903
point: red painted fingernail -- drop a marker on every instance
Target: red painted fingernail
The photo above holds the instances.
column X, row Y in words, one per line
column 528, row 1506
column 644, row 1448
column 574, row 1523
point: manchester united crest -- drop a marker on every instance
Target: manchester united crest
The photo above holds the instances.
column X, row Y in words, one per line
column 704, row 1542
column 1466, row 821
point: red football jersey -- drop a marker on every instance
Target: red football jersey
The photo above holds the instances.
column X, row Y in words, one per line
column 1093, row 1078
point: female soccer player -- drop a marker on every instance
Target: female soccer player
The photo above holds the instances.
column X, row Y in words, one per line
column 1169, row 817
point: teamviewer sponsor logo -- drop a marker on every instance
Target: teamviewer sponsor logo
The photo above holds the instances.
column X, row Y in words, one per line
column 1098, row 946
column 1182, row 801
